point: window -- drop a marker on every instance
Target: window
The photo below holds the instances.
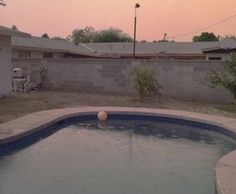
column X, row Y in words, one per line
column 24, row 54
column 214, row 58
column 47, row 55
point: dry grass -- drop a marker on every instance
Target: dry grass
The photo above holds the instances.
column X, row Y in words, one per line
column 25, row 103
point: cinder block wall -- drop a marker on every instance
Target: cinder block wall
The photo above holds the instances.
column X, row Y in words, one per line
column 179, row 79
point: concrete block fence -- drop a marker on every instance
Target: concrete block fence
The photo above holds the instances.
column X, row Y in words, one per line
column 181, row 80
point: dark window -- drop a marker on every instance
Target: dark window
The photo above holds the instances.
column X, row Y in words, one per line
column 214, row 58
column 63, row 55
column 47, row 55
column 24, row 54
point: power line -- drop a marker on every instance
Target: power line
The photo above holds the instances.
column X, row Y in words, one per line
column 204, row 28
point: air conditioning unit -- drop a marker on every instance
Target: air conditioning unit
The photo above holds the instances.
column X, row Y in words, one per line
column 17, row 73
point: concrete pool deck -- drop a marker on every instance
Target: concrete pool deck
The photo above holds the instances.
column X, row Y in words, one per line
column 225, row 168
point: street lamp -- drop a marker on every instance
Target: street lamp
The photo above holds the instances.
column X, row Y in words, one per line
column 2, row 3
column 135, row 22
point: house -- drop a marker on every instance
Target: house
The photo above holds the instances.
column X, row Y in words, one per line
column 154, row 50
column 44, row 48
column 40, row 48
column 222, row 51
column 5, row 59
column 168, row 50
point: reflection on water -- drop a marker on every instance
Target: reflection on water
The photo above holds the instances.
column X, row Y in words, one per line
column 117, row 157
column 160, row 130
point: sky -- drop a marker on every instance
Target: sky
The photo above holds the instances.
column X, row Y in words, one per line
column 154, row 17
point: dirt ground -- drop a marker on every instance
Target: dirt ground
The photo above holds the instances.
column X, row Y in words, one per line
column 20, row 104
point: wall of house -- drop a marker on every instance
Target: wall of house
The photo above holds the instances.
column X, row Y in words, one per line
column 223, row 56
column 14, row 53
column 35, row 54
column 179, row 79
column 5, row 65
column 57, row 55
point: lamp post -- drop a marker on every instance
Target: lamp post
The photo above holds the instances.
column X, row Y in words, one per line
column 2, row 3
column 135, row 22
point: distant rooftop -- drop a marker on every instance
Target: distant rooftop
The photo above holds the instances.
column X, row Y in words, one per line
column 152, row 47
column 10, row 32
column 121, row 48
column 51, row 44
column 224, row 45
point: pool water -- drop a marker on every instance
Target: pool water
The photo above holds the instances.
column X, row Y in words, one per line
column 117, row 157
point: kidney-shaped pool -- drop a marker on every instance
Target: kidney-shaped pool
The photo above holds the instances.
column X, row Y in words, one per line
column 119, row 156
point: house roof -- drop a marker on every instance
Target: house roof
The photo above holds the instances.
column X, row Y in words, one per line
column 10, row 32
column 152, row 48
column 121, row 48
column 37, row 43
column 226, row 45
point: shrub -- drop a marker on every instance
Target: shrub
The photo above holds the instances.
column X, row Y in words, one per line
column 227, row 78
column 145, row 82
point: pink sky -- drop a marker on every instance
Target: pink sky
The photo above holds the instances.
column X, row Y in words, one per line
column 155, row 17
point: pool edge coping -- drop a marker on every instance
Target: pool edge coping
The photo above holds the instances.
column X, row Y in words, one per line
column 225, row 168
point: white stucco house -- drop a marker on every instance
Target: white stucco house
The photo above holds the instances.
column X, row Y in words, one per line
column 5, row 59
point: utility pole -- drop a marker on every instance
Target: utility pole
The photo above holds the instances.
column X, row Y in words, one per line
column 135, row 23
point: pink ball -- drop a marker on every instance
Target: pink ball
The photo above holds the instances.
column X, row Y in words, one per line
column 102, row 116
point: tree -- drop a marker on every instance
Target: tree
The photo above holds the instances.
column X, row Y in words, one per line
column 145, row 82
column 45, row 35
column 227, row 78
column 112, row 35
column 82, row 35
column 89, row 34
column 205, row 37
column 14, row 28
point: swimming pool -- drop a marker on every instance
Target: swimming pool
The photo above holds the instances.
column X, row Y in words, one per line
column 128, row 154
